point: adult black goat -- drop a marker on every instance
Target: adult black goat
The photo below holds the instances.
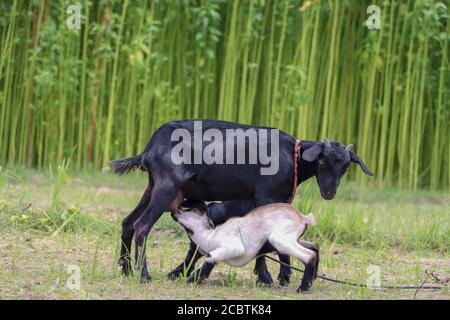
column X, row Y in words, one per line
column 173, row 175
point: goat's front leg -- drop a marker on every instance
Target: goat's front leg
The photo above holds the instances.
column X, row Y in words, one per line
column 192, row 257
column 140, row 261
column 128, row 230
column 221, row 254
column 202, row 273
column 218, row 255
column 262, row 272
column 284, row 276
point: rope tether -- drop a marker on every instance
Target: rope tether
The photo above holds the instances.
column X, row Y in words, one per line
column 353, row 284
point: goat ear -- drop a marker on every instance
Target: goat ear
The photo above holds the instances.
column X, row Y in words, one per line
column 354, row 157
column 193, row 204
column 312, row 153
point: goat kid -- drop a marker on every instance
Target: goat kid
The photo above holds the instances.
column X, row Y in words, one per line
column 240, row 239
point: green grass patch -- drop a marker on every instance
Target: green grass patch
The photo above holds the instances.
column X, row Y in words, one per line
column 42, row 236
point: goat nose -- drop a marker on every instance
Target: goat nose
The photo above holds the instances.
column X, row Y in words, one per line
column 329, row 194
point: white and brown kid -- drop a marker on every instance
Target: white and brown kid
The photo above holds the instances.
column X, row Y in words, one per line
column 273, row 227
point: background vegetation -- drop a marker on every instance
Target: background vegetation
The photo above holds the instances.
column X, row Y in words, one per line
column 72, row 100
column 311, row 68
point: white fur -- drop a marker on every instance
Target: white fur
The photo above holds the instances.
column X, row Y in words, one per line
column 239, row 240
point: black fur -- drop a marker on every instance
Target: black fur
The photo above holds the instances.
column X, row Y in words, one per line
column 228, row 183
column 124, row 166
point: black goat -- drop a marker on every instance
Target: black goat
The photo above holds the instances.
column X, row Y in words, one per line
column 171, row 181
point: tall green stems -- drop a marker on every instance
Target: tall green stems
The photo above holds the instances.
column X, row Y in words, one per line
column 311, row 68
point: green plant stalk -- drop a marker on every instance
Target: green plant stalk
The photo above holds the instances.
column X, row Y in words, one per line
column 109, row 120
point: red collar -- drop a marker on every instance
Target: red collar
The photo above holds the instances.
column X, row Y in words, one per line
column 296, row 153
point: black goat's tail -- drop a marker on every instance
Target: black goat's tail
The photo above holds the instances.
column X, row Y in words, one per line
column 123, row 166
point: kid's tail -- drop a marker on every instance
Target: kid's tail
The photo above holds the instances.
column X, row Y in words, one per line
column 123, row 166
column 310, row 220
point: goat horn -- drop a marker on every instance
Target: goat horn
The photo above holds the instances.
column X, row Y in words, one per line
column 349, row 147
column 326, row 142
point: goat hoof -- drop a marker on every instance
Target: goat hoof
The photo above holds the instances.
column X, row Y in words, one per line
column 173, row 275
column 127, row 272
column 192, row 280
column 125, row 266
column 265, row 281
column 304, row 291
column 264, row 278
column 284, row 279
column 304, row 288
column 266, row 284
column 145, row 278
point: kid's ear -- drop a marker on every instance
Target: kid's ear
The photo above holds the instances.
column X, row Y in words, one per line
column 194, row 204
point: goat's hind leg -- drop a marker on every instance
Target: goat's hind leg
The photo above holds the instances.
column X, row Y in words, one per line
column 140, row 260
column 291, row 247
column 128, row 229
column 314, row 246
column 164, row 196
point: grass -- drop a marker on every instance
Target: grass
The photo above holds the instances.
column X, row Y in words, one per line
column 44, row 237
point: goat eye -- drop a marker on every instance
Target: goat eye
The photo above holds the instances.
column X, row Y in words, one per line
column 322, row 162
